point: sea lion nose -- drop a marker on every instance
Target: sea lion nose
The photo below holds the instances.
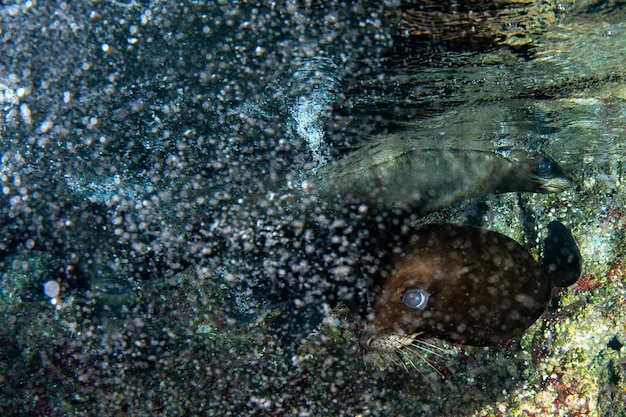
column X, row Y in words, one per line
column 364, row 339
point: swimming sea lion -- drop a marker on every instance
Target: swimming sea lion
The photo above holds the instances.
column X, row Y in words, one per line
column 466, row 285
column 404, row 174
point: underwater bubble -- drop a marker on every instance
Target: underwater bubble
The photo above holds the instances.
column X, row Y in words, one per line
column 51, row 288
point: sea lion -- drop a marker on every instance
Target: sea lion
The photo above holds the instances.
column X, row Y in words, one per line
column 411, row 176
column 466, row 285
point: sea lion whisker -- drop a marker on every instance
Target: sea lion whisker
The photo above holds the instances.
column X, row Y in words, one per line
column 390, row 358
column 397, row 361
column 405, row 356
column 430, row 345
column 414, row 347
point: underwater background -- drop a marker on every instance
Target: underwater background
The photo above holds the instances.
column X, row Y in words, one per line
column 156, row 252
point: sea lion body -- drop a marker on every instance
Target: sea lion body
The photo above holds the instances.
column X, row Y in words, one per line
column 465, row 285
column 405, row 175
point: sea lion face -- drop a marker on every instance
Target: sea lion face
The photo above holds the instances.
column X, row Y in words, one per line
column 457, row 283
column 535, row 172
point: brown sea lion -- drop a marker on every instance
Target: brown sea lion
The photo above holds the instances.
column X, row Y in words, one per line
column 408, row 175
column 466, row 285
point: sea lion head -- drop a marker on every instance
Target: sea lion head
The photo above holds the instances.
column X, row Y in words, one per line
column 536, row 172
column 458, row 283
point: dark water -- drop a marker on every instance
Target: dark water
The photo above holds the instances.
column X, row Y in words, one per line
column 155, row 254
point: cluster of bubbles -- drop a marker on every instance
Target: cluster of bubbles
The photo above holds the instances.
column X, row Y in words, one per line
column 139, row 140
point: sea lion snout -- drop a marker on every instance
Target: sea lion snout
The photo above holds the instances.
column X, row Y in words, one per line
column 384, row 340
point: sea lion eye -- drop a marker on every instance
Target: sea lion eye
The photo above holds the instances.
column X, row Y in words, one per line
column 545, row 166
column 415, row 299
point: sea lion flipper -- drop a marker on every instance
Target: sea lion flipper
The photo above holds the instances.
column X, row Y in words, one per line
column 561, row 256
